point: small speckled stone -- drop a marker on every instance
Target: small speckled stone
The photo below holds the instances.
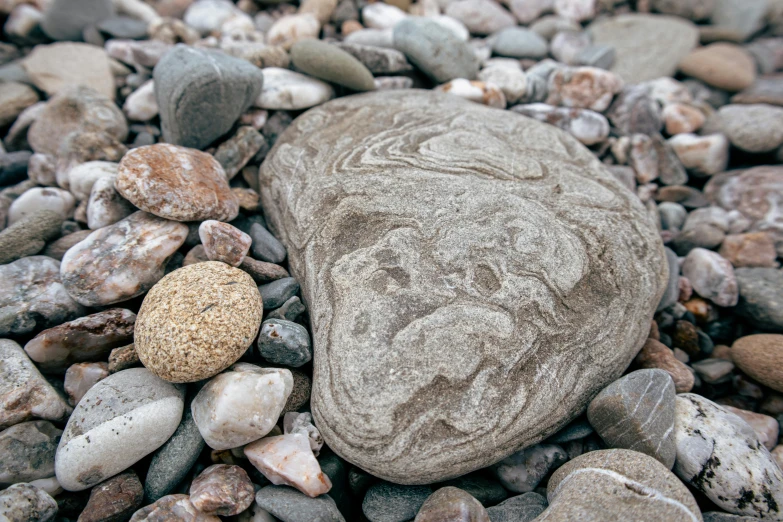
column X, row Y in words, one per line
column 761, row 357
column 123, row 358
column 241, row 405
column 27, row 452
column 172, row 508
column 26, row 503
column 119, row 421
column 330, row 63
column 33, row 296
column 288, row 459
column 197, row 321
column 278, row 292
column 114, row 500
column 121, row 261
column 300, row 393
column 88, row 338
column 589, row 127
column 521, row 508
column 720, row 455
column 29, row 235
column 453, row 505
column 712, row 276
column 387, row 502
column 223, row 242
column 176, row 183
column 222, row 490
column 290, row 505
column 24, row 393
column 284, row 342
column 636, row 412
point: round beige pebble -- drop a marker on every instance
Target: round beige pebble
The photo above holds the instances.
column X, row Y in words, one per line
column 761, row 357
column 197, row 321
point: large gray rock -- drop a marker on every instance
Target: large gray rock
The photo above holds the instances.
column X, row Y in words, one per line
column 190, row 80
column 437, row 51
column 617, row 484
column 469, row 277
column 636, row 412
column 118, row 421
column 646, row 46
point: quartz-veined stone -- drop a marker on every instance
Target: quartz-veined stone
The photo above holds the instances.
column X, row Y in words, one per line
column 223, row 242
column 222, row 490
column 121, row 261
column 396, row 267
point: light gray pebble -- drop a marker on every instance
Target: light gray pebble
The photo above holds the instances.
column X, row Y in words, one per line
column 289, row 310
column 276, row 293
column 672, row 292
column 518, row 42
column 378, row 60
column 437, row 51
column 284, row 342
column 290, row 505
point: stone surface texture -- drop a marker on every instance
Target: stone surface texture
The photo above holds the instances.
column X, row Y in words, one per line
column 393, row 268
column 197, row 321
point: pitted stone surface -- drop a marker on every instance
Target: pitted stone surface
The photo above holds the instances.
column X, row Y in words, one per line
column 416, row 221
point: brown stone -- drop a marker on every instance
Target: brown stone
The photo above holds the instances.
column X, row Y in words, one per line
column 452, row 504
column 80, row 377
column 680, row 118
column 224, row 242
column 222, row 490
column 767, row 89
column 721, row 351
column 772, row 404
column 686, row 337
column 123, row 358
column 753, row 249
column 655, row 354
column 114, row 500
column 583, row 88
column 261, row 271
column 197, row 254
column 722, row 65
column 249, row 200
column 688, row 197
column 761, row 357
column 176, row 183
column 701, row 309
column 89, row 338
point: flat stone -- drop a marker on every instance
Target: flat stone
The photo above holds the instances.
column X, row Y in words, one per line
column 197, row 321
column 66, row 19
column 386, row 502
column 284, row 342
column 290, row 90
column 119, row 421
column 752, row 192
column 720, row 455
column 655, row 354
column 454, row 504
column 646, row 46
column 173, row 508
column 223, row 242
column 753, row 127
column 121, row 261
column 435, row 50
column 758, row 356
column 234, row 153
column 88, row 338
column 288, row 460
column 290, row 505
column 262, row 272
column 151, row 178
column 618, row 484
column 72, row 109
column 26, row 502
column 712, row 276
column 222, row 490
column 377, row 59
column 712, row 370
column 241, row 405
column 171, row 463
column 34, row 297
column 29, row 235
column 55, row 67
column 188, row 79
column 116, row 499
column 722, row 65
column 330, row 63
column 27, row 452
column 522, row 471
column 521, row 508
column 636, row 412
column 392, row 260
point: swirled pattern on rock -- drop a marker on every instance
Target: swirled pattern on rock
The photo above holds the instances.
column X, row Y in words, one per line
column 473, row 276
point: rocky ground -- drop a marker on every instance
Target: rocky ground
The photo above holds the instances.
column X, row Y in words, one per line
column 558, row 300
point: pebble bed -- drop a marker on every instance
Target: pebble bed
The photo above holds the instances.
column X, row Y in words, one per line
column 157, row 352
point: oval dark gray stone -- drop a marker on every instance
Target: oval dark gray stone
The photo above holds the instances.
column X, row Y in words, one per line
column 473, row 277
